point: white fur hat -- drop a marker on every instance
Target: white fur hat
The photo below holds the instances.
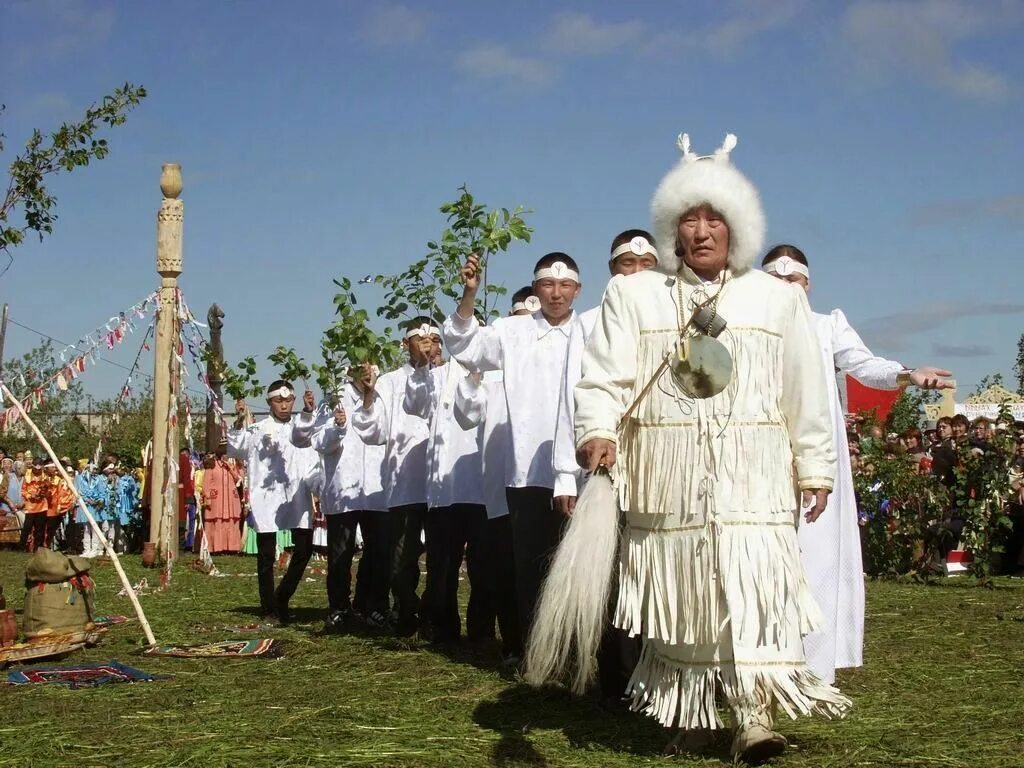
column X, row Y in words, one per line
column 711, row 180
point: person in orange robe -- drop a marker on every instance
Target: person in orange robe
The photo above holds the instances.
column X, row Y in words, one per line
column 221, row 505
column 61, row 500
column 35, row 492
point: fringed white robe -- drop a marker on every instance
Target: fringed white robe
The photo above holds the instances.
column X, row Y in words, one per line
column 710, row 571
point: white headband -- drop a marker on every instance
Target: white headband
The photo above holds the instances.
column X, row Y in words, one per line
column 424, row 330
column 638, row 246
column 559, row 271
column 531, row 304
column 282, row 391
column 785, row 266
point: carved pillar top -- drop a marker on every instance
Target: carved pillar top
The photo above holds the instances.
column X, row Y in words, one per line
column 170, row 220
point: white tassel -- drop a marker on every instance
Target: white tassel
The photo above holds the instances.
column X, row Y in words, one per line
column 573, row 605
column 683, row 142
column 727, row 146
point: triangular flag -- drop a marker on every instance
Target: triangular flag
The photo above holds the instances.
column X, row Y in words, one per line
column 62, row 383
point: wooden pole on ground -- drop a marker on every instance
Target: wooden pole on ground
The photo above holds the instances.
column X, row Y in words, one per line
column 163, row 488
column 97, row 531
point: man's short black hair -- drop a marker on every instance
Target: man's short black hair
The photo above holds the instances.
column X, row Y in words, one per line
column 551, row 258
column 624, row 237
column 522, row 294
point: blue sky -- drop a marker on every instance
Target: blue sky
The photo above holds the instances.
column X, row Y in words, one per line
column 318, row 139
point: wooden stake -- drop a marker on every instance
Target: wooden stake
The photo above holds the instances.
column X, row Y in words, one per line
column 88, row 516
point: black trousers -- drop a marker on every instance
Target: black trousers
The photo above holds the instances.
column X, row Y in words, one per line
column 618, row 654
column 341, row 549
column 536, row 532
column 266, row 549
column 405, row 543
column 35, row 524
column 453, row 533
column 373, row 579
column 497, row 582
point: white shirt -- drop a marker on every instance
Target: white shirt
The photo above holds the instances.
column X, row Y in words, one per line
column 454, row 470
column 281, row 476
column 483, row 405
column 531, row 353
column 563, row 457
column 353, row 470
column 403, row 435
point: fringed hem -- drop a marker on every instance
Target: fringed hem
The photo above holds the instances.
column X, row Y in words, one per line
column 683, row 586
column 685, row 695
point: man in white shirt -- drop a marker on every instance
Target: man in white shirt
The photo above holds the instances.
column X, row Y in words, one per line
column 456, row 515
column 353, row 496
column 530, row 350
column 382, row 420
column 830, row 549
column 280, row 479
column 631, row 251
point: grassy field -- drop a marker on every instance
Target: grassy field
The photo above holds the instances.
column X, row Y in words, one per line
column 943, row 686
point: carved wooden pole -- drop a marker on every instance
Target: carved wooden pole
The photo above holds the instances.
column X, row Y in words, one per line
column 163, row 486
column 214, row 367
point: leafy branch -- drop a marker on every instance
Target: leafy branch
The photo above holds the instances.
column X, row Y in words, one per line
column 74, row 145
column 349, row 341
column 290, row 365
column 472, row 228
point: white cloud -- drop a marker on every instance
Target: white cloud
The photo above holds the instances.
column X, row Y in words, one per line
column 395, row 25
column 1009, row 208
column 960, row 350
column 580, row 33
column 918, row 39
column 491, row 61
column 893, row 332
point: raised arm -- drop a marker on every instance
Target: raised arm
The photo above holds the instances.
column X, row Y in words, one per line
column 853, row 357
column 419, row 393
column 371, row 419
column 478, row 349
column 470, row 406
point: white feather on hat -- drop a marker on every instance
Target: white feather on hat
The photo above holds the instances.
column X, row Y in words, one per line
column 708, row 180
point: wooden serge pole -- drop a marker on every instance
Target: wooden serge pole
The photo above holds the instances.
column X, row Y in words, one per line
column 97, row 531
column 163, row 487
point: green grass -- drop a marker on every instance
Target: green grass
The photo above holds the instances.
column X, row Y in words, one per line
column 943, row 687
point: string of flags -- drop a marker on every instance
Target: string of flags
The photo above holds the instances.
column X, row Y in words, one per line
column 73, row 358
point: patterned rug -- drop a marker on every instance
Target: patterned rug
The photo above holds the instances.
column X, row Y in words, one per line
column 108, row 621
column 224, row 649
column 82, row 675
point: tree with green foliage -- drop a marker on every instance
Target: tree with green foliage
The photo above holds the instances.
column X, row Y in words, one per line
column 73, row 145
column 989, row 380
column 472, row 228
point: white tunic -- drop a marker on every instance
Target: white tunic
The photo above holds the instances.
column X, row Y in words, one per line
column 281, row 477
column 454, row 471
column 352, row 469
column 403, row 435
column 563, row 457
column 483, row 406
column 710, row 571
column 531, row 354
column 830, row 548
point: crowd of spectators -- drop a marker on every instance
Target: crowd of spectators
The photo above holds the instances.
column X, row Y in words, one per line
column 958, row 484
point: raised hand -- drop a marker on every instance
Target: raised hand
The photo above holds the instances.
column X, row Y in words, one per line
column 929, row 377
column 340, row 417
column 595, row 453
column 471, row 273
column 308, row 401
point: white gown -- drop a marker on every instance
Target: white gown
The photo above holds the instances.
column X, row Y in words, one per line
column 830, row 547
